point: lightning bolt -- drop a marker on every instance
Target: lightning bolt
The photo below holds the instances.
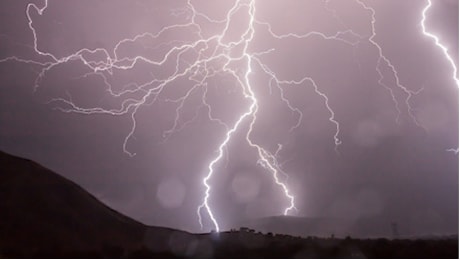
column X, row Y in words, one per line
column 249, row 94
column 444, row 50
column 197, row 61
column 266, row 159
column 438, row 43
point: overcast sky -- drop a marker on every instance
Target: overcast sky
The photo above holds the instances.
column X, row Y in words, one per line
column 390, row 167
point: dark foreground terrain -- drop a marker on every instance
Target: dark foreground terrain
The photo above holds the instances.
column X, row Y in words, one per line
column 43, row 215
column 240, row 245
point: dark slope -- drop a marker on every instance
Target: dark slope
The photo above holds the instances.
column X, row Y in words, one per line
column 42, row 211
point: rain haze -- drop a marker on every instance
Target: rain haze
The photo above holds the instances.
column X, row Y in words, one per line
column 353, row 140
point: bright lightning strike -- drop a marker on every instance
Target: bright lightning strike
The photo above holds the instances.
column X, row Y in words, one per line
column 438, row 43
column 200, row 59
column 444, row 50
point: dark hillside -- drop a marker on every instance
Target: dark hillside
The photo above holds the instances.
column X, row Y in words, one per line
column 41, row 210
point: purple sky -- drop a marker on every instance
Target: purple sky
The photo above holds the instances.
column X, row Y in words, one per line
column 385, row 167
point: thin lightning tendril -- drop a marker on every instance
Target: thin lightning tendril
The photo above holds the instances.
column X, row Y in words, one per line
column 214, row 56
column 382, row 59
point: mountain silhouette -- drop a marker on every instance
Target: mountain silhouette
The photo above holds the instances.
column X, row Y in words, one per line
column 42, row 211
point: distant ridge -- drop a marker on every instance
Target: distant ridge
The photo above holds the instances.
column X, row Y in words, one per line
column 321, row 227
column 365, row 227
